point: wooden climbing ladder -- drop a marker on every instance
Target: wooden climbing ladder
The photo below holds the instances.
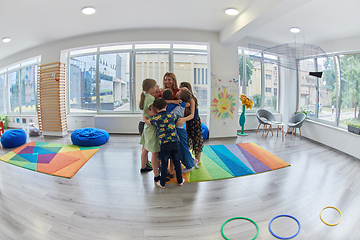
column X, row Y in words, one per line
column 52, row 115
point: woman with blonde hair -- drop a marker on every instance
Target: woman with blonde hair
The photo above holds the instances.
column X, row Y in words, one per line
column 169, row 81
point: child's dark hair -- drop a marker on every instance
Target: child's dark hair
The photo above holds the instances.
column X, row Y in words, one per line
column 185, row 96
column 188, row 86
column 159, row 103
column 168, row 94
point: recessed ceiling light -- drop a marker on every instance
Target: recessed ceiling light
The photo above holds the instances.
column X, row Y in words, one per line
column 295, row 30
column 6, row 39
column 88, row 10
column 231, row 11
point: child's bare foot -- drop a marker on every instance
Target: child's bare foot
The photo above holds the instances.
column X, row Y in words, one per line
column 199, row 162
column 180, row 184
column 158, row 184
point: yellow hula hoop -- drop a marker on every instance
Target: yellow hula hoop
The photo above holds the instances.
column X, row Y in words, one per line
column 329, row 223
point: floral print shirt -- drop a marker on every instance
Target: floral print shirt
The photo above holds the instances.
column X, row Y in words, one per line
column 165, row 123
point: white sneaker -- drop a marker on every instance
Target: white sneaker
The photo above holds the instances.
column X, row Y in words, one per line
column 195, row 163
column 185, row 170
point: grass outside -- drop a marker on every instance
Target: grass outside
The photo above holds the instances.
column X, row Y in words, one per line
column 345, row 122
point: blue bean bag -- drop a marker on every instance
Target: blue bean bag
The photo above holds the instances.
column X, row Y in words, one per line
column 205, row 130
column 13, row 138
column 89, row 137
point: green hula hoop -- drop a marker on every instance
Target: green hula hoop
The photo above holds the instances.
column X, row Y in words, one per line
column 222, row 227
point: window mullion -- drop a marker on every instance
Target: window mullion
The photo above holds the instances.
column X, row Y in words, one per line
column 97, row 83
column 338, row 88
column 262, row 81
column 132, row 81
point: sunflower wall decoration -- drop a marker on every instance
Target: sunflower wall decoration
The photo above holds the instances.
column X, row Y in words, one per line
column 223, row 105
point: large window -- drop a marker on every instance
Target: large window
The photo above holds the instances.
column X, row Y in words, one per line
column 350, row 89
column 82, row 83
column 2, row 94
column 259, row 79
column 18, row 88
column 307, row 87
column 191, row 66
column 114, row 81
column 27, row 89
column 150, row 64
column 327, row 90
column 271, row 97
column 14, row 92
column 109, row 78
column 335, row 97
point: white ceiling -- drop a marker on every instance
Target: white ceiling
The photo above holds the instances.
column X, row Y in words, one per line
column 37, row 22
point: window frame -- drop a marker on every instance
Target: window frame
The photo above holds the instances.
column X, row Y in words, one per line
column 317, row 95
column 33, row 62
column 246, row 54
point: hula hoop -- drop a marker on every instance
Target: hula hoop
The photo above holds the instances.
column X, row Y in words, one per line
column 284, row 237
column 222, row 227
column 329, row 224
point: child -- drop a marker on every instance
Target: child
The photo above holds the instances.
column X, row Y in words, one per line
column 194, row 127
column 149, row 138
column 145, row 164
column 178, row 110
column 169, row 141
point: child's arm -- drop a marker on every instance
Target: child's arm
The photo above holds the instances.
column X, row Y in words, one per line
column 192, row 110
column 181, row 121
column 151, row 112
column 178, row 101
column 147, row 121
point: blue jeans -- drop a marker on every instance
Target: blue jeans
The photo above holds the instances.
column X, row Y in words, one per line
column 170, row 151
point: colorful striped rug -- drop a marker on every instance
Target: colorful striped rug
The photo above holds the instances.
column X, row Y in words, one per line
column 55, row 159
column 233, row 160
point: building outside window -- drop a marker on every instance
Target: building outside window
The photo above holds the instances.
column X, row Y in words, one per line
column 334, row 98
column 256, row 74
column 18, row 88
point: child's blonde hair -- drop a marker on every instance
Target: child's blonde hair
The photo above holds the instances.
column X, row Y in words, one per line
column 147, row 84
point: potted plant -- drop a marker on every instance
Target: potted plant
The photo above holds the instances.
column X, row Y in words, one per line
column 354, row 128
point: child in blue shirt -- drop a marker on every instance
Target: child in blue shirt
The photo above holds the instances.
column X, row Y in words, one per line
column 169, row 141
column 185, row 155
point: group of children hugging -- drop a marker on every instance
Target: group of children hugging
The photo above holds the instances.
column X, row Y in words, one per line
column 162, row 130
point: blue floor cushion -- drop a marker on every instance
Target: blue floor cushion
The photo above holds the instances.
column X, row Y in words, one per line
column 89, row 137
column 205, row 131
column 13, row 138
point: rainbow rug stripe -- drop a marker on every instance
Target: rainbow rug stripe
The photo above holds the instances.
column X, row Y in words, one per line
column 233, row 160
column 51, row 158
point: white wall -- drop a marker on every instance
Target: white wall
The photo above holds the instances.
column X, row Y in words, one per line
column 288, row 92
column 332, row 136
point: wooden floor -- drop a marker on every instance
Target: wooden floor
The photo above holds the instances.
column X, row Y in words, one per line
column 110, row 199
